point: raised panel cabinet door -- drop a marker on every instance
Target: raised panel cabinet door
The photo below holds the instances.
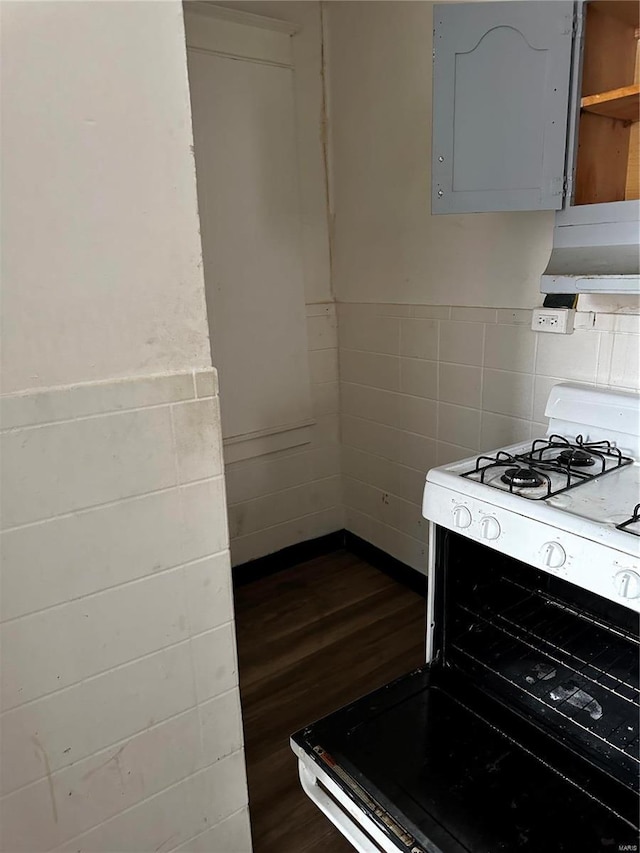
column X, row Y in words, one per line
column 501, row 74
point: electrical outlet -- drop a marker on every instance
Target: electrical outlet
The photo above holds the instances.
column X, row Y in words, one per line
column 558, row 321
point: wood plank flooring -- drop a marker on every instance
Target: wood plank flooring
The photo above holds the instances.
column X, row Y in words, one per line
column 311, row 639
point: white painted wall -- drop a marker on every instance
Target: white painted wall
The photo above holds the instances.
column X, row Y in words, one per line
column 388, row 247
column 307, row 50
column 241, row 78
column 120, row 726
column 101, row 254
column 292, row 495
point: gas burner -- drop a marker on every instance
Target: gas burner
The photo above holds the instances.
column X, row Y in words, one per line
column 522, row 478
column 549, row 467
column 575, row 457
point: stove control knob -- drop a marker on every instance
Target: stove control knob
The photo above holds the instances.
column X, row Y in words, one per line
column 553, row 555
column 627, row 584
column 490, row 527
column 461, row 517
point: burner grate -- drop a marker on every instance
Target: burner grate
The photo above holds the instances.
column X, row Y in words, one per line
column 634, row 519
column 550, row 467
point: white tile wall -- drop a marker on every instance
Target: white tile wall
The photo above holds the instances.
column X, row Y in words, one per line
column 501, row 430
column 276, row 508
column 507, row 393
column 476, row 378
column 625, row 361
column 509, row 345
column 378, row 334
column 459, row 424
column 91, row 791
column 399, row 479
column 231, row 835
column 363, row 367
column 418, row 338
column 196, row 427
column 78, row 401
column 280, row 536
column 417, row 377
column 90, row 636
column 165, row 821
column 460, row 384
column 576, row 354
column 285, row 497
column 141, row 536
column 111, row 462
column 120, row 723
column 323, row 365
column 461, row 343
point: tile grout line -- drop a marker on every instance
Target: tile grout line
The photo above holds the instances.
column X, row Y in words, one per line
column 116, row 743
column 115, row 667
column 388, row 354
column 535, row 377
column 73, row 839
column 282, row 491
column 438, row 347
column 109, row 413
column 377, row 456
column 388, row 526
column 298, row 518
column 107, row 504
column 401, row 393
column 185, row 592
column 174, row 447
column 411, row 503
column 208, row 829
column 142, row 579
column 482, row 382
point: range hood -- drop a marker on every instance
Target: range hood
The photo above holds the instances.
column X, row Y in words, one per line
column 596, row 249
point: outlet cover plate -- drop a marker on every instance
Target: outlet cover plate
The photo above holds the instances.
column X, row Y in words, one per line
column 556, row 321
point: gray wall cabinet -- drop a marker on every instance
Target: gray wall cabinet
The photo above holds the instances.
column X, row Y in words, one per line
column 536, row 106
column 501, row 81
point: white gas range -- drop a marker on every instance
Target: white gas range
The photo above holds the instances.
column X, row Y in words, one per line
column 564, row 503
column 521, row 733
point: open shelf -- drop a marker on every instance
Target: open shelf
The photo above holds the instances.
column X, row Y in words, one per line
column 607, row 158
column 622, row 103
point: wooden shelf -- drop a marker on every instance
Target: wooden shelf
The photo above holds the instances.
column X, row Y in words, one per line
column 623, row 104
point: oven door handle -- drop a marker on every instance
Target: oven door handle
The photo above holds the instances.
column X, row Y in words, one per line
column 339, row 818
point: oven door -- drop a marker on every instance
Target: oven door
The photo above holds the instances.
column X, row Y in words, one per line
column 423, row 767
column 441, row 762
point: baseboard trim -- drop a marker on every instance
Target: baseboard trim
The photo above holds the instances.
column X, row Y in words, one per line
column 302, row 551
column 287, row 557
column 396, row 569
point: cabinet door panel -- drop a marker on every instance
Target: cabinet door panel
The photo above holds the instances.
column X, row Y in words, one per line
column 500, row 101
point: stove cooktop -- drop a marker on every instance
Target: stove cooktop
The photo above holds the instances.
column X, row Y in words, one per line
column 601, row 496
column 548, row 467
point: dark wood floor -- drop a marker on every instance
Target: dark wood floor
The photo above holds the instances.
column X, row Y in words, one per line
column 310, row 639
